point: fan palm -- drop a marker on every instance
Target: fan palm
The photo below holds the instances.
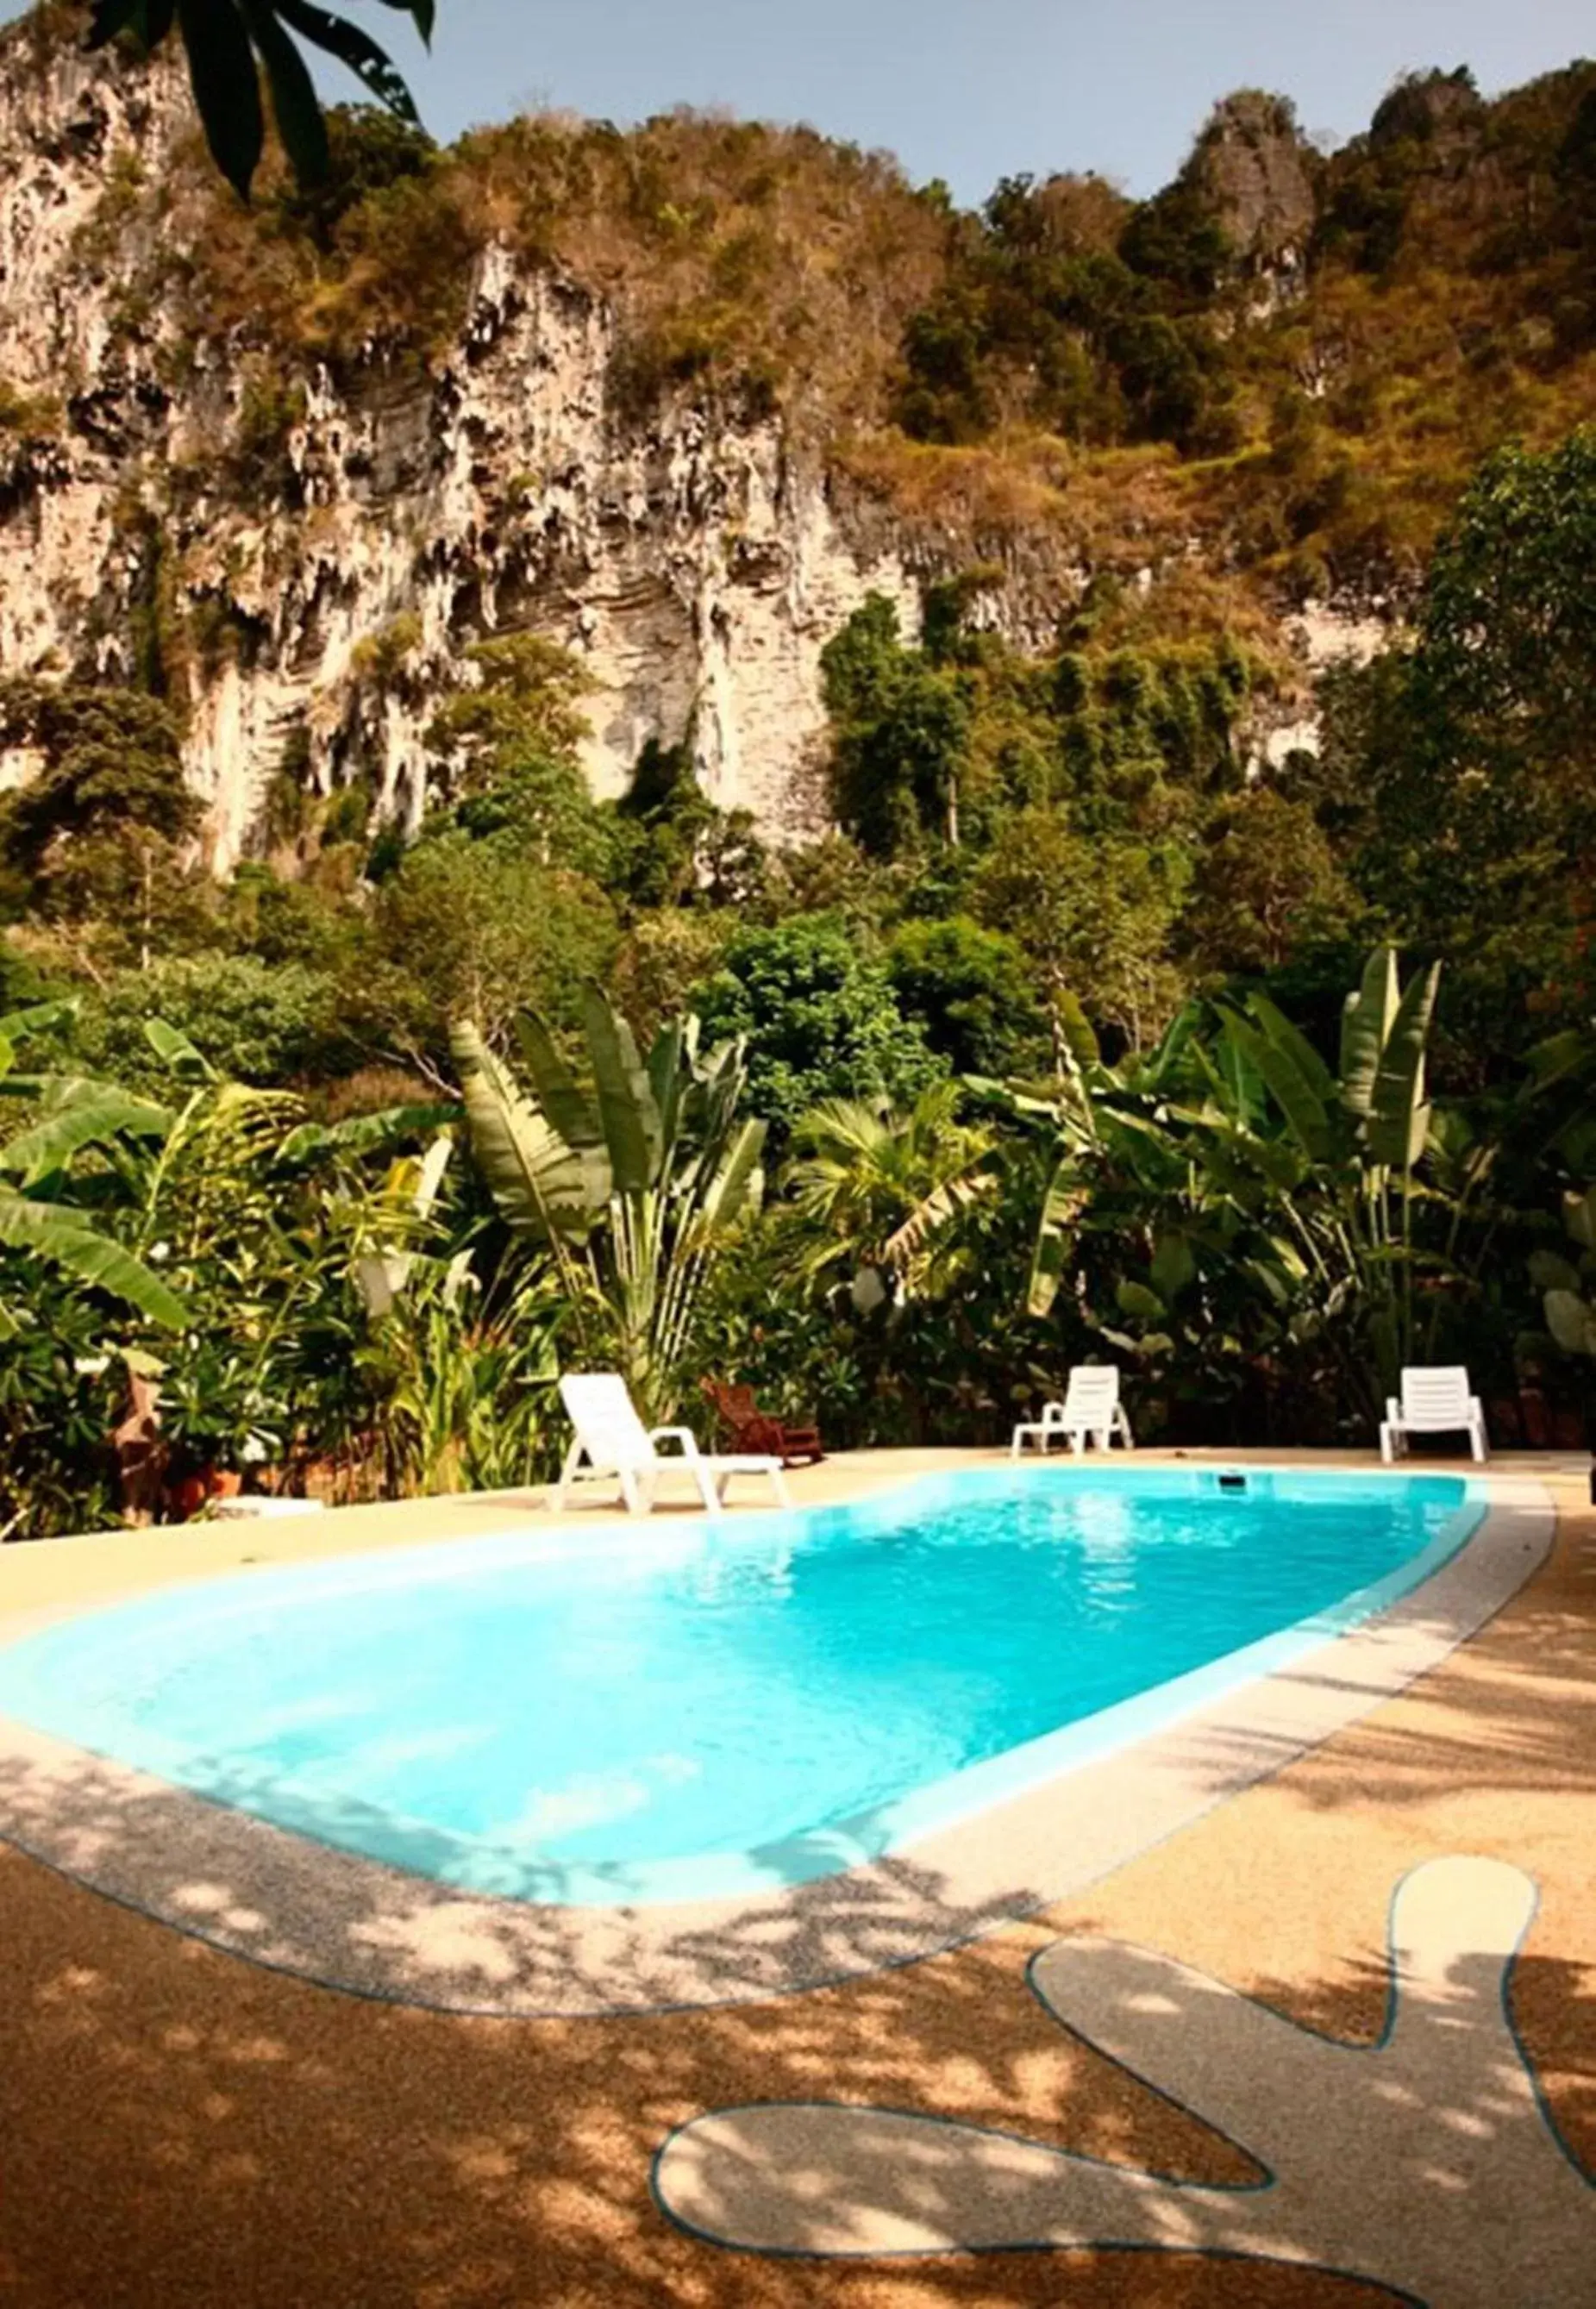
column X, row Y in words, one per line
column 881, row 1187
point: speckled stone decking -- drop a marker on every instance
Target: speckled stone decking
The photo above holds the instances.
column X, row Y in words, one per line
column 181, row 2126
column 352, row 1923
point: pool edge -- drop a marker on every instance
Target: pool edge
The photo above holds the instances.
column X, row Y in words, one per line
column 369, row 1929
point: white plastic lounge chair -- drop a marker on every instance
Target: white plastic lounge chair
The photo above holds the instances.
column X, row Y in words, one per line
column 1091, row 1410
column 1435, row 1400
column 619, row 1449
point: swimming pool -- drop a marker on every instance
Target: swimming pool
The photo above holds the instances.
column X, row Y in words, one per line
column 667, row 1710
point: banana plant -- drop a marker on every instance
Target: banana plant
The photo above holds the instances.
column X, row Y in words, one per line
column 71, row 1116
column 631, row 1180
column 1236, row 1142
column 1114, row 1146
column 1339, row 1153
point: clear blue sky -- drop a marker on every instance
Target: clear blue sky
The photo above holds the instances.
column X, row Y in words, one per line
column 970, row 90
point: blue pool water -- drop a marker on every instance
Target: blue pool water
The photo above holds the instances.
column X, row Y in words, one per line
column 666, row 1710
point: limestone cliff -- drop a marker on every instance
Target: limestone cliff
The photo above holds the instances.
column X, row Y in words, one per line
column 1253, row 172
column 696, row 567
column 677, row 398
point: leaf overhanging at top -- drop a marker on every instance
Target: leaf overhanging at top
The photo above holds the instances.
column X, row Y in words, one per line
column 222, row 39
column 295, row 105
column 226, row 91
column 358, row 52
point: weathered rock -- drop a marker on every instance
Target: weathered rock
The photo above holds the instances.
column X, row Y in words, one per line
column 695, row 569
column 1253, row 172
column 309, row 586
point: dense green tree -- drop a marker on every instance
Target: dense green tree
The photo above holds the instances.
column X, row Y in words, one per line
column 1506, row 631
column 1064, row 304
column 1459, row 771
column 675, row 847
column 901, row 730
column 476, row 929
column 820, row 1019
column 503, row 760
column 1266, row 886
column 110, row 760
column 970, row 990
column 259, row 1022
column 1095, row 918
column 106, row 826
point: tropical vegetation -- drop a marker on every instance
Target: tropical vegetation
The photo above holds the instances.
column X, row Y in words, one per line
column 1091, row 1027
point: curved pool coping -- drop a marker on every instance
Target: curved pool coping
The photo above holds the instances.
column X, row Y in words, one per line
column 1094, row 1796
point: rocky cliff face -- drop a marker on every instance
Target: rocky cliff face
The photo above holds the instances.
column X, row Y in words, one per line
column 695, row 569
column 1253, row 172
column 299, row 525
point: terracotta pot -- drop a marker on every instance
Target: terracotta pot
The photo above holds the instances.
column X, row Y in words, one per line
column 223, row 1483
column 187, row 1497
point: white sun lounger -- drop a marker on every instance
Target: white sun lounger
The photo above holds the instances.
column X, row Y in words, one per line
column 612, row 1446
column 1435, row 1400
column 1091, row 1411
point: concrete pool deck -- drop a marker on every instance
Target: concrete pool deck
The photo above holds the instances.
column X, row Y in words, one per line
column 184, row 2126
column 1132, row 1777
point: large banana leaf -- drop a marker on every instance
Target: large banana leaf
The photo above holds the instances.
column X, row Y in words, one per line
column 735, row 1180
column 1572, row 1323
column 52, row 1232
column 37, row 1018
column 1075, row 1029
column 1065, row 1201
column 364, row 1133
column 647, row 1172
column 544, row 1189
column 1579, row 1216
column 1399, row 1118
column 1239, row 1089
column 934, row 1213
column 1278, row 1067
column 174, row 1049
column 1234, row 1154
column 1174, row 1263
column 568, row 1108
column 1274, row 1023
column 88, row 1114
column 670, row 1074
column 626, row 1108
column 1366, row 1022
